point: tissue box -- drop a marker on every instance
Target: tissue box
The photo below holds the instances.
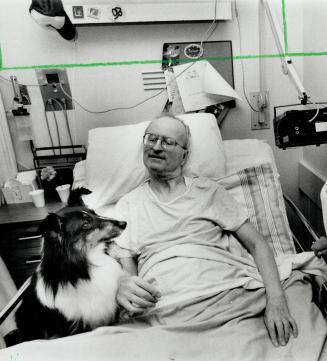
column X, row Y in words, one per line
column 17, row 193
column 17, row 190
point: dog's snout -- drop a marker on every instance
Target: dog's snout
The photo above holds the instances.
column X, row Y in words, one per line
column 121, row 224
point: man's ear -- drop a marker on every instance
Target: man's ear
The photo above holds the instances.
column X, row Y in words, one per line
column 185, row 156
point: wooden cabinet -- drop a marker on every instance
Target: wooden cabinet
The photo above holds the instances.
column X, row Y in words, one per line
column 20, row 240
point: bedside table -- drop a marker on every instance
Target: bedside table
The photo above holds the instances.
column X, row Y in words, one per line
column 20, row 240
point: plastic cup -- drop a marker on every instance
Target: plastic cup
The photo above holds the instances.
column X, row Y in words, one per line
column 38, row 197
column 63, row 192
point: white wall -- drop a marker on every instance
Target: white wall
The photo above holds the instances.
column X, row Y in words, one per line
column 24, row 43
column 315, row 71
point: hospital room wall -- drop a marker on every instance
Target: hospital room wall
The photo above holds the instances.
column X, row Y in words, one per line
column 315, row 73
column 25, row 44
column 313, row 168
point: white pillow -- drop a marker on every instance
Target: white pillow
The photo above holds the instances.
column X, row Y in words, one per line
column 244, row 153
column 114, row 163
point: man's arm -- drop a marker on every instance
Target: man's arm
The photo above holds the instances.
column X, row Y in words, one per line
column 135, row 294
column 278, row 320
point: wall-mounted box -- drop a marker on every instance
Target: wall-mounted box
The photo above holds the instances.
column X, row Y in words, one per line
column 96, row 12
column 55, row 89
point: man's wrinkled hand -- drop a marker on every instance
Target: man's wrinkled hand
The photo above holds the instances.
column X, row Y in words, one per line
column 280, row 324
column 320, row 247
column 136, row 295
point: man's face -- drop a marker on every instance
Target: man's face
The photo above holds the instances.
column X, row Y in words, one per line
column 165, row 161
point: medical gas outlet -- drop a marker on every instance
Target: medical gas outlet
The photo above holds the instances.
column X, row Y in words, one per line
column 55, row 89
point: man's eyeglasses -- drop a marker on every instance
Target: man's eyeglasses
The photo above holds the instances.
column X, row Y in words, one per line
column 167, row 143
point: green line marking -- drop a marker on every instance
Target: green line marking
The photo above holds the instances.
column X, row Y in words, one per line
column 160, row 61
column 284, row 27
column 320, row 53
column 141, row 62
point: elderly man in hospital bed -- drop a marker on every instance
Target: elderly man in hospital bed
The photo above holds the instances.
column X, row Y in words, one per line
column 171, row 212
column 205, row 285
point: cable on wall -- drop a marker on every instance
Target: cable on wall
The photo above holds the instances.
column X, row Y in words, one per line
column 241, row 53
column 50, row 101
column 64, row 111
column 48, row 127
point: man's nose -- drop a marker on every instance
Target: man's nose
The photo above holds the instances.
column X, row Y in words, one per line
column 158, row 145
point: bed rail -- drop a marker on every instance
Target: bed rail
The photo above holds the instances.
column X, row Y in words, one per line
column 319, row 284
column 8, row 309
column 302, row 218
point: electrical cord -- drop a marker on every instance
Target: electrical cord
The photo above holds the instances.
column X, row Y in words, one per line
column 206, row 36
column 241, row 52
column 63, row 109
column 317, row 112
column 50, row 100
column 48, row 127
column 122, row 108
column 213, row 25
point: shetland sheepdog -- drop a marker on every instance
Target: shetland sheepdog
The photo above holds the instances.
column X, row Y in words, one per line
column 74, row 287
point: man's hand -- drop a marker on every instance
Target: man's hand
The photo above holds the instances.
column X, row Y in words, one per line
column 320, row 247
column 135, row 294
column 280, row 324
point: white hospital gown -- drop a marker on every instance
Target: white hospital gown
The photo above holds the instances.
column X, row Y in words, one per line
column 199, row 216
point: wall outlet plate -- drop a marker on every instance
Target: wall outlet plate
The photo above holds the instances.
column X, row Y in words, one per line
column 49, row 81
column 260, row 119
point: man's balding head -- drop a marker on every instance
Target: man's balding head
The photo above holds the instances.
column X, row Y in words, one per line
column 163, row 160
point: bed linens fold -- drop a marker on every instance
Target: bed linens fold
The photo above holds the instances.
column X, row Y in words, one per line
column 206, row 271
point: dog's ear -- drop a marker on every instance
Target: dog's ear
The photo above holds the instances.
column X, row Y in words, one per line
column 52, row 226
column 75, row 197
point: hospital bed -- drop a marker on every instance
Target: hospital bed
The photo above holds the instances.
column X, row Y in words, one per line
column 246, row 168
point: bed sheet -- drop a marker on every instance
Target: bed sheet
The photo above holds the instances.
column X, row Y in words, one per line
column 224, row 325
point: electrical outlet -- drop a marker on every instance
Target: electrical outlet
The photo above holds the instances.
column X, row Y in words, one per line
column 260, row 119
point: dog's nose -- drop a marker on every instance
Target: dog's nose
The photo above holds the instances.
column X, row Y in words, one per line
column 121, row 224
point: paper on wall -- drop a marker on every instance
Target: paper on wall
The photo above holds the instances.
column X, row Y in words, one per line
column 200, row 85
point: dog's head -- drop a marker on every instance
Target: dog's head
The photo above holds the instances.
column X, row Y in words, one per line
column 73, row 232
column 78, row 226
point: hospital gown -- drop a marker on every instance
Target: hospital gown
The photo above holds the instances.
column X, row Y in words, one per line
column 176, row 244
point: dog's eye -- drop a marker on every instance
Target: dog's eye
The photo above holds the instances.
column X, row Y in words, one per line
column 87, row 223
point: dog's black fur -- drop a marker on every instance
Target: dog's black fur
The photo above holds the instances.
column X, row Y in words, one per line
column 67, row 239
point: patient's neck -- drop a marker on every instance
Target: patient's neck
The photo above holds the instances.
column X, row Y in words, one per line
column 167, row 187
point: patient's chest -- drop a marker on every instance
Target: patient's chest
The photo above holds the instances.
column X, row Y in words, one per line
column 199, row 216
column 187, row 219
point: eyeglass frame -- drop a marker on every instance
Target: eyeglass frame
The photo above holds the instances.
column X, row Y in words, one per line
column 162, row 139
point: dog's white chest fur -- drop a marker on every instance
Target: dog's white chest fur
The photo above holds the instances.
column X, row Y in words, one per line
column 92, row 301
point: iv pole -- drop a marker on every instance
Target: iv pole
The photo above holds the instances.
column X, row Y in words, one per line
column 287, row 64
